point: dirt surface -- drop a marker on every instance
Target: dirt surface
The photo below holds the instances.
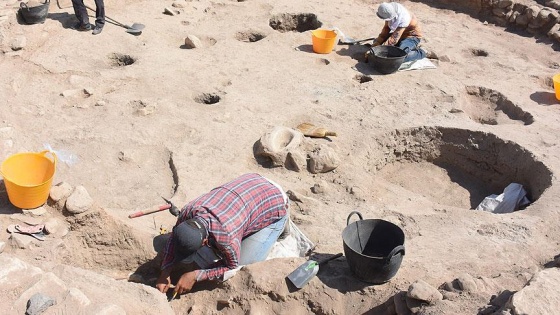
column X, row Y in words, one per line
column 147, row 117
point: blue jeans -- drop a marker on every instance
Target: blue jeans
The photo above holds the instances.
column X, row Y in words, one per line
column 410, row 46
column 256, row 247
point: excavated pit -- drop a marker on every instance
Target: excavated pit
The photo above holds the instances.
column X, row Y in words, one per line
column 301, row 22
column 490, row 107
column 458, row 167
column 121, row 60
column 207, row 98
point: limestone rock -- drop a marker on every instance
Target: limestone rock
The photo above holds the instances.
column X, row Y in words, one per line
column 79, row 201
column 178, row 4
column 323, row 159
column 320, row 187
column 503, row 4
column 18, row 43
column 540, row 296
column 52, row 226
column 421, row 290
column 76, row 298
column 109, row 309
column 414, row 305
column 283, row 147
column 38, row 303
column 466, row 283
column 2, row 246
column 21, row 240
column 522, row 20
column 37, row 212
column 192, row 41
column 170, row 11
column 400, row 304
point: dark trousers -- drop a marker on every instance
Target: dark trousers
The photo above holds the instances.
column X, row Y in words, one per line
column 81, row 12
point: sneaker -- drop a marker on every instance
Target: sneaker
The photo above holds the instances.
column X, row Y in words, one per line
column 82, row 28
column 97, row 30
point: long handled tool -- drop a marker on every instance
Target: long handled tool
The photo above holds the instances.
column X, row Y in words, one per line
column 135, row 28
column 172, row 209
column 304, row 273
column 351, row 41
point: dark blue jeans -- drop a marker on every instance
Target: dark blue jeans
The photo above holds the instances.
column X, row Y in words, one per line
column 81, row 12
column 410, row 46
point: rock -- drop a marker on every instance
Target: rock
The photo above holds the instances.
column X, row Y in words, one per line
column 503, row 4
column 513, row 16
column 400, row 304
column 60, row 191
column 444, row 58
column 421, row 290
column 557, row 261
column 75, row 297
column 18, row 43
column 109, row 309
column 501, row 299
column 21, row 240
column 540, row 296
column 100, row 103
column 135, row 277
column 522, row 20
column 170, row 11
column 52, row 225
column 38, row 303
column 295, row 196
column 146, row 110
column 499, row 12
column 320, row 188
column 79, row 201
column 532, row 12
column 282, row 146
column 192, row 41
column 467, row 283
column 72, row 93
column 2, row 246
column 323, row 159
column 413, row 305
column 178, row 4
column 37, row 212
column 88, row 91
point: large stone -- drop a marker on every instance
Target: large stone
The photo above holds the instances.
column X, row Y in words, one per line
column 60, row 191
column 504, row 4
column 21, row 240
column 38, row 303
column 18, row 43
column 532, row 12
column 522, row 20
column 109, row 309
column 52, row 225
column 499, row 12
column 192, row 41
column 467, row 283
column 79, row 201
column 421, row 290
column 540, row 296
column 323, row 159
column 76, row 298
column 283, row 147
column 553, row 4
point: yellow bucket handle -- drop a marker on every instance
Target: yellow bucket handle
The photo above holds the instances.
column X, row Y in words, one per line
column 51, row 152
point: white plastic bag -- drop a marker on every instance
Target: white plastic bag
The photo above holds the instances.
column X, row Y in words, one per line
column 513, row 197
column 67, row 157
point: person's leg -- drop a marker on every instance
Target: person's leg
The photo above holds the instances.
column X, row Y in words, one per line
column 99, row 13
column 410, row 46
column 81, row 12
column 257, row 246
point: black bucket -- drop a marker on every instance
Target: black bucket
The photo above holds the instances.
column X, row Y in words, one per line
column 34, row 15
column 374, row 248
column 387, row 59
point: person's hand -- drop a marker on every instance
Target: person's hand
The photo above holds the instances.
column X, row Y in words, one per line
column 163, row 282
column 186, row 282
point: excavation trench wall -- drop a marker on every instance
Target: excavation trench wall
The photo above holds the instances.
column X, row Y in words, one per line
column 536, row 17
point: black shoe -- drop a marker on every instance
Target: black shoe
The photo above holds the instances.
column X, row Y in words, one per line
column 82, row 28
column 97, row 30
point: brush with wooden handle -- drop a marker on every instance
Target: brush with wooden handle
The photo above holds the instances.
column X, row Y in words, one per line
column 311, row 130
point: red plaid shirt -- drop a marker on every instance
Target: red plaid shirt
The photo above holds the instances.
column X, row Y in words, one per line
column 231, row 212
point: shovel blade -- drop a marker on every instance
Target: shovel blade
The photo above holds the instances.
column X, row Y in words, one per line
column 303, row 274
column 138, row 26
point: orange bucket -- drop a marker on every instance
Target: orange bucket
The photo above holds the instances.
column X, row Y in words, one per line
column 323, row 41
column 28, row 178
column 556, row 80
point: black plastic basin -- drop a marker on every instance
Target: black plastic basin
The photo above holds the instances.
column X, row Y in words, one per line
column 387, row 59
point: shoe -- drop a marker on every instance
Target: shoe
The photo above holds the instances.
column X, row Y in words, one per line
column 82, row 28
column 97, row 30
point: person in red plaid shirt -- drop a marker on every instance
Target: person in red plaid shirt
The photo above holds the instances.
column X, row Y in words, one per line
column 234, row 224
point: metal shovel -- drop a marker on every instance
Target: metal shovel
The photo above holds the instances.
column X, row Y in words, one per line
column 351, row 41
column 135, row 28
column 304, row 273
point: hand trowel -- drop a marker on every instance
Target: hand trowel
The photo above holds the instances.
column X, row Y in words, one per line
column 304, row 273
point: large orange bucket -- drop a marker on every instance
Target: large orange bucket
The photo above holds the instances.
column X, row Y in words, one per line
column 28, row 178
column 323, row 41
column 556, row 80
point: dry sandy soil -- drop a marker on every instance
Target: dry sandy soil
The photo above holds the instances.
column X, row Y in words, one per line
column 417, row 148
